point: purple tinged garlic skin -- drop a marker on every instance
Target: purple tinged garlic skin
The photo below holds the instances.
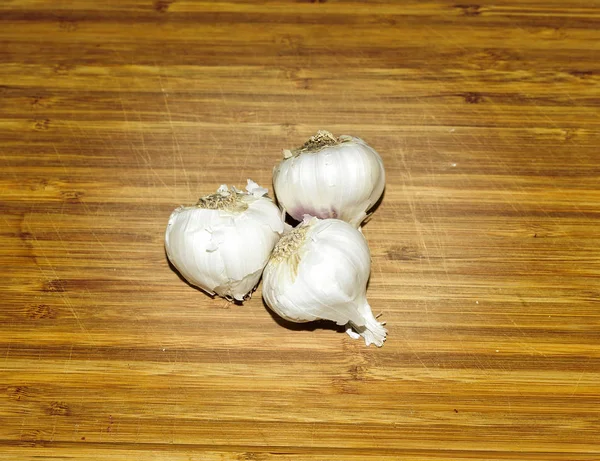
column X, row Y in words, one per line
column 330, row 177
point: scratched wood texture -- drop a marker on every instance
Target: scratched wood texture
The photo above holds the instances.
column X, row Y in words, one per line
column 486, row 248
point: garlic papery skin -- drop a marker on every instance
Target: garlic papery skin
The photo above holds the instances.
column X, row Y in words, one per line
column 222, row 243
column 330, row 177
column 319, row 270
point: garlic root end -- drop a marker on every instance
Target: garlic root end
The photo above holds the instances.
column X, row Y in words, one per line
column 372, row 331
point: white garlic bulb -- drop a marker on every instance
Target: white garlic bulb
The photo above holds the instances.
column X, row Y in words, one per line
column 319, row 270
column 330, row 177
column 222, row 243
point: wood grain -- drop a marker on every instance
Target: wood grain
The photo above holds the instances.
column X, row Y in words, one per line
column 486, row 257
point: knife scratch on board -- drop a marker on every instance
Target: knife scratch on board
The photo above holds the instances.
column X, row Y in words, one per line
column 175, row 141
column 63, row 294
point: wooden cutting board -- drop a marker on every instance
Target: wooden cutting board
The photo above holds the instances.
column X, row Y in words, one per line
column 485, row 249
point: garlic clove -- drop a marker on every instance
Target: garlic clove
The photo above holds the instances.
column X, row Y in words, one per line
column 187, row 236
column 320, row 270
column 330, row 177
column 222, row 244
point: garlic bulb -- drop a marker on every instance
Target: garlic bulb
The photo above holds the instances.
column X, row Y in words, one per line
column 330, row 177
column 319, row 270
column 222, row 243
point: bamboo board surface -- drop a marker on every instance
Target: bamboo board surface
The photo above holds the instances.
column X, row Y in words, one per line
column 485, row 249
